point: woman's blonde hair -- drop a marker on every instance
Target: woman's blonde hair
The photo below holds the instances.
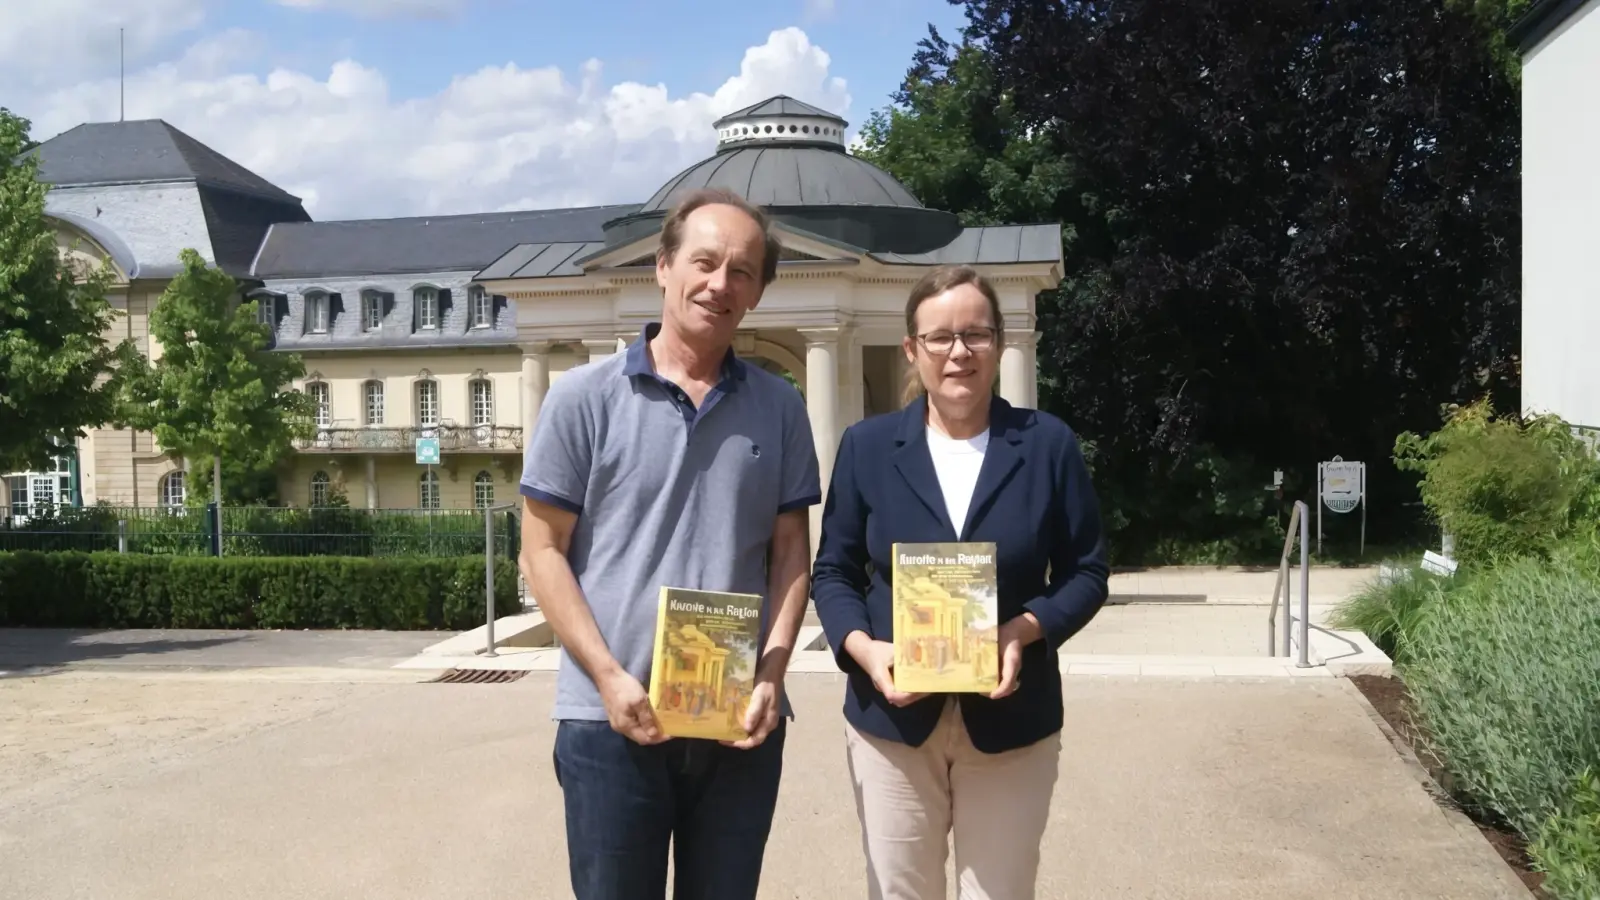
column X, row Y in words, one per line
column 933, row 284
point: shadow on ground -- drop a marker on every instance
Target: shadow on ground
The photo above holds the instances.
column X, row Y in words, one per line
column 35, row 651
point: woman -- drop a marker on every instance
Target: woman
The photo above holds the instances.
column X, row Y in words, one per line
column 957, row 463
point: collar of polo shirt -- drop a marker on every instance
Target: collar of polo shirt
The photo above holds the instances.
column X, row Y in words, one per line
column 638, row 361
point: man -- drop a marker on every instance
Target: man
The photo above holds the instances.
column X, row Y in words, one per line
column 674, row 463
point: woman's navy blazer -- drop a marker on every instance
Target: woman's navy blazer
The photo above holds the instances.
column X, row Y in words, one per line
column 1033, row 500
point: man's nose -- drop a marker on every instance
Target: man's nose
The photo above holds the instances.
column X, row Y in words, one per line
column 718, row 279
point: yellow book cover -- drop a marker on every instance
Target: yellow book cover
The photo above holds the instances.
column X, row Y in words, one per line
column 946, row 629
column 705, row 662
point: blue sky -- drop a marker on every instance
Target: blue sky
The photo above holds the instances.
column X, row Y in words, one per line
column 692, row 48
column 406, row 107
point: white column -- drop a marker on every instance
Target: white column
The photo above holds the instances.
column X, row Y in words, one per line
column 600, row 348
column 822, row 403
column 535, row 382
column 1018, row 382
column 899, row 371
column 852, row 381
column 372, row 482
column 1033, row 371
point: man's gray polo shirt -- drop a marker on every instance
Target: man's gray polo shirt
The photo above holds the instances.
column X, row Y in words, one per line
column 665, row 494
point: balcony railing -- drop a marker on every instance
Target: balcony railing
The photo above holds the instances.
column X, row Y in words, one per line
column 404, row 439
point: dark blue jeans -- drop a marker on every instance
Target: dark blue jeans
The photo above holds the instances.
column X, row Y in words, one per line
column 627, row 803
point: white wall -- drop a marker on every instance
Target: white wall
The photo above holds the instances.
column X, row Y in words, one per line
column 1561, row 222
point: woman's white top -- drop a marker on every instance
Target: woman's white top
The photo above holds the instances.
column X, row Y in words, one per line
column 956, row 462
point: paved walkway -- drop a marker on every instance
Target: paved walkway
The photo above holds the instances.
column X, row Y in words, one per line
column 189, row 785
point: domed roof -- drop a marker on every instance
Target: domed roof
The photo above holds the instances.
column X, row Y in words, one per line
column 790, row 159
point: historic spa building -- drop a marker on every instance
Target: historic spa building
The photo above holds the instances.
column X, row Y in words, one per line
column 455, row 326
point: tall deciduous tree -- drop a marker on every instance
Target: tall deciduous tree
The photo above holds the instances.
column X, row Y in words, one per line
column 57, row 370
column 217, row 390
column 1293, row 231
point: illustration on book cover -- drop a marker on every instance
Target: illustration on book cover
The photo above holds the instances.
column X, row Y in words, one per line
column 705, row 662
column 946, row 633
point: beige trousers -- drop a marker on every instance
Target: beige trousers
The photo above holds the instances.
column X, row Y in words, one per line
column 910, row 800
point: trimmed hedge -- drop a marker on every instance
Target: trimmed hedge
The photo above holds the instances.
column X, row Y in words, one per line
column 131, row 590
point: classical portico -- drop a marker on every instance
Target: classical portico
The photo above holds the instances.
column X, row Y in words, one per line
column 854, row 242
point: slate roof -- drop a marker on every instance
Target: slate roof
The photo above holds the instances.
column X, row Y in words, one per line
column 979, row 245
column 989, row 244
column 238, row 205
column 780, row 105
column 455, row 243
column 144, row 151
column 788, row 176
column 545, row 260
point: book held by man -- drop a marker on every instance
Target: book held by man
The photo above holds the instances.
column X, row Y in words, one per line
column 705, row 662
column 946, row 628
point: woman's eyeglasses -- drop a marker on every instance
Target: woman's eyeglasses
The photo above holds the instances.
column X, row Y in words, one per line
column 976, row 340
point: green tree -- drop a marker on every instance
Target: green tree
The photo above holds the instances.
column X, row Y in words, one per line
column 1289, row 231
column 58, row 374
column 218, row 390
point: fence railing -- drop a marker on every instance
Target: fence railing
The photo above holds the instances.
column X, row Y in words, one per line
column 1284, row 589
column 265, row 531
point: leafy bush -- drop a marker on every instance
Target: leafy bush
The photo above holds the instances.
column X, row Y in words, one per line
column 130, row 590
column 1503, row 487
column 1503, row 678
column 1568, row 848
column 1391, row 609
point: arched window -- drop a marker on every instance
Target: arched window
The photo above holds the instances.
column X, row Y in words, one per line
column 172, row 489
column 428, row 490
column 427, row 403
column 266, row 309
column 316, row 312
column 373, row 395
column 483, row 490
column 480, row 307
column 318, row 391
column 482, row 402
column 320, row 483
column 427, row 302
column 371, row 309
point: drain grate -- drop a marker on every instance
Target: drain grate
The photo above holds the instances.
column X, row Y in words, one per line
column 478, row 676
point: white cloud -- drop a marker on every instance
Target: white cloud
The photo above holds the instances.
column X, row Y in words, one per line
column 386, row 9
column 47, row 43
column 502, row 137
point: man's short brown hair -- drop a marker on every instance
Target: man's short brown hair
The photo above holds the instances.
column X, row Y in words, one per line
column 672, row 228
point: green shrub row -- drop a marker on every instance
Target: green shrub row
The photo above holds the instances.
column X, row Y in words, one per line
column 264, row 531
column 1503, row 667
column 130, row 590
column 1506, row 674
column 1502, row 660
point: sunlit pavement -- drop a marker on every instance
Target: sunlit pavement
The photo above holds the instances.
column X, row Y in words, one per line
column 321, row 783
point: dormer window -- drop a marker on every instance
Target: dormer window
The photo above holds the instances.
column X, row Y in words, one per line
column 480, row 306
column 371, row 310
column 316, row 313
column 427, row 300
column 265, row 309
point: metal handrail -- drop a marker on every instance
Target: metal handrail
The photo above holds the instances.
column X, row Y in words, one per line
column 1301, row 517
column 488, row 572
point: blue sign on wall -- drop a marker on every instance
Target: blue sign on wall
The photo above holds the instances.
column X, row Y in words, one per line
column 427, row 451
